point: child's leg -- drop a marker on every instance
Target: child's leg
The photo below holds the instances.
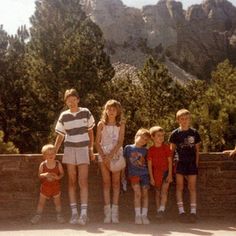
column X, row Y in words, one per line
column 157, row 197
column 137, row 198
column 145, row 219
column 164, row 195
column 83, row 184
column 116, row 194
column 57, row 203
column 40, row 207
column 72, row 187
column 41, row 204
column 116, row 187
column 106, row 180
column 179, row 192
column 192, row 180
column 144, row 200
column 137, row 202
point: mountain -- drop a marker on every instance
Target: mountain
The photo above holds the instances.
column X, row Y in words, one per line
column 192, row 41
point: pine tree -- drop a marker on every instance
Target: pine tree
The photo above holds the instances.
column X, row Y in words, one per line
column 66, row 50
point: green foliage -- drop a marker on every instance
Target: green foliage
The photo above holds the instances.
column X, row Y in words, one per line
column 65, row 51
column 7, row 148
column 214, row 113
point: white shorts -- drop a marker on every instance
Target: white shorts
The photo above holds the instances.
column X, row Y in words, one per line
column 76, row 156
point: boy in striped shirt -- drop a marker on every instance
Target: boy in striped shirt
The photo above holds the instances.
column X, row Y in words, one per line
column 75, row 127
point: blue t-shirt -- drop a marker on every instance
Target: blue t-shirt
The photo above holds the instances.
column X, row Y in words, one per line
column 185, row 141
column 136, row 158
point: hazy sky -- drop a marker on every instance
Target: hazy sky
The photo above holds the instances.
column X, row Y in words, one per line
column 14, row 13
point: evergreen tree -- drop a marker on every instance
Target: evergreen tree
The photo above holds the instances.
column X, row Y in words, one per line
column 14, row 88
column 66, row 50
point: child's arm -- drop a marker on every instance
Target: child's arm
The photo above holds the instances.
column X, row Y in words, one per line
column 169, row 178
column 98, row 139
column 119, row 142
column 152, row 181
column 58, row 142
column 61, row 172
column 172, row 149
column 230, row 152
column 197, row 153
column 91, row 143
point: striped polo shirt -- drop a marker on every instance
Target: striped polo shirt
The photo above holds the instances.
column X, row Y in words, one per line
column 75, row 126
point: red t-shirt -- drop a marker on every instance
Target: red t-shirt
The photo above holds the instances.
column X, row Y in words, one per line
column 159, row 157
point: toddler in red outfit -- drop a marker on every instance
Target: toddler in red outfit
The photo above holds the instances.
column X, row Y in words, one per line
column 50, row 172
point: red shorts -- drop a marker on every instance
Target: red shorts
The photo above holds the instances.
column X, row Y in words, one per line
column 143, row 180
column 51, row 190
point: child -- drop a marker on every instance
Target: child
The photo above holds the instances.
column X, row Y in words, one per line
column 185, row 142
column 135, row 155
column 76, row 126
column 160, row 168
column 109, row 141
column 50, row 172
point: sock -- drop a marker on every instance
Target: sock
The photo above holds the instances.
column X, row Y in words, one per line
column 74, row 210
column 161, row 208
column 144, row 211
column 83, row 209
column 138, row 211
column 114, row 207
column 180, row 207
column 193, row 208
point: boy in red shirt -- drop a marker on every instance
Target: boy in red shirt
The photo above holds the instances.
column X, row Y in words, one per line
column 160, row 168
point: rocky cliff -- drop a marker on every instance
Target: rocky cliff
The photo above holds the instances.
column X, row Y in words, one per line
column 196, row 39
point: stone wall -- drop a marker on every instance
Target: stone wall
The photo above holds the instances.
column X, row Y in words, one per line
column 19, row 188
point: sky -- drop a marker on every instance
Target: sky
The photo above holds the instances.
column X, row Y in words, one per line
column 14, row 13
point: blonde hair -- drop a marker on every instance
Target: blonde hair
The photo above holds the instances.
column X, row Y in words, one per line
column 155, row 129
column 142, row 132
column 48, row 147
column 70, row 92
column 117, row 106
column 182, row 112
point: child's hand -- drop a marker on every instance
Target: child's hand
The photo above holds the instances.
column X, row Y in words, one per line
column 91, row 155
column 50, row 176
column 152, row 181
column 169, row 179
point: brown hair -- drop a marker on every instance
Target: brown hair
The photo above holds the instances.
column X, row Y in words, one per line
column 70, row 92
column 117, row 105
column 156, row 129
column 182, row 112
column 142, row 131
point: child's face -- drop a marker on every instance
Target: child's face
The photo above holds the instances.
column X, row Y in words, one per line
column 49, row 155
column 141, row 140
column 111, row 112
column 184, row 121
column 72, row 102
column 158, row 137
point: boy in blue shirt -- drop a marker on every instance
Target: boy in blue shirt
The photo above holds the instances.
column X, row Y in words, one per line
column 185, row 143
column 136, row 157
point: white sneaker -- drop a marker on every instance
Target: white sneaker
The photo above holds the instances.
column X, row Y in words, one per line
column 36, row 219
column 74, row 219
column 107, row 213
column 83, row 220
column 138, row 220
column 145, row 220
column 115, row 215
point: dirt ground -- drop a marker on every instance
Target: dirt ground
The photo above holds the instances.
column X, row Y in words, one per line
column 48, row 227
